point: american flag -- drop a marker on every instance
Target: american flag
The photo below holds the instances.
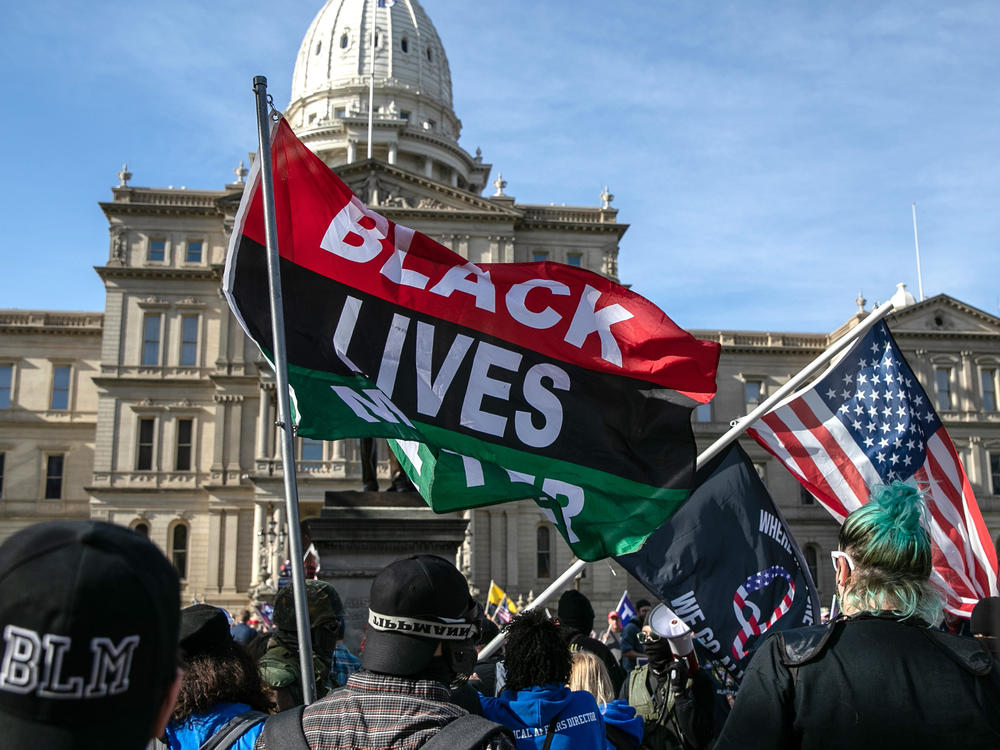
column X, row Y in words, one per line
column 868, row 421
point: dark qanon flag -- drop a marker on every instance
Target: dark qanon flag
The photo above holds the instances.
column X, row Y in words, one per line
column 493, row 381
column 726, row 563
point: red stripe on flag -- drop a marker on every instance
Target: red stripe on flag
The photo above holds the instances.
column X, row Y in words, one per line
column 840, row 461
column 973, row 567
column 972, row 515
column 814, row 479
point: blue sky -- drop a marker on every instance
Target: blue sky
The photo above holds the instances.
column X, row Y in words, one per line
column 765, row 155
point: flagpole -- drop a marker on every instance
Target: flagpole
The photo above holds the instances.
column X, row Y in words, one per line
column 553, row 587
column 371, row 82
column 281, row 377
column 742, row 424
column 734, row 432
column 916, row 245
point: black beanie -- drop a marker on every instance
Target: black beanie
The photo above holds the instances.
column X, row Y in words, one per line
column 575, row 611
column 985, row 618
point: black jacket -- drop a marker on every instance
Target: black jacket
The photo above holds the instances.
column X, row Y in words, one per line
column 867, row 682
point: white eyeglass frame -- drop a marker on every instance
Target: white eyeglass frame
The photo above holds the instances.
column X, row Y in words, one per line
column 835, row 554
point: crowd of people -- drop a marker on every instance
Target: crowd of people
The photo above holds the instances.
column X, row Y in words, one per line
column 103, row 656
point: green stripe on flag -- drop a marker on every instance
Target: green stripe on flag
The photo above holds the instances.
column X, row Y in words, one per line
column 598, row 513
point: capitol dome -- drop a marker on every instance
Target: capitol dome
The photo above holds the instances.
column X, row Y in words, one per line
column 414, row 124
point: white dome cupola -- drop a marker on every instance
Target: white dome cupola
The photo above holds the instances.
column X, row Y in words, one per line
column 414, row 125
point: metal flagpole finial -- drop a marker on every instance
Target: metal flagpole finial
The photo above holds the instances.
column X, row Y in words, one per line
column 260, row 82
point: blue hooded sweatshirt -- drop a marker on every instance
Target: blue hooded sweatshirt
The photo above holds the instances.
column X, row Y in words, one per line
column 193, row 731
column 620, row 714
column 573, row 714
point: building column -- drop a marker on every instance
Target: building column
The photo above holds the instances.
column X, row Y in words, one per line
column 215, row 542
column 234, row 430
column 393, row 147
column 469, row 545
column 967, row 383
column 497, row 529
column 219, row 443
column 277, row 558
column 232, row 521
column 263, row 421
column 352, row 150
column 257, row 540
column 428, row 167
column 512, row 550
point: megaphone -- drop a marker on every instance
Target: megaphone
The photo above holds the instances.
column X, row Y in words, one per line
column 665, row 623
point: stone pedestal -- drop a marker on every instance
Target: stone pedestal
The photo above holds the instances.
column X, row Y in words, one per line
column 359, row 533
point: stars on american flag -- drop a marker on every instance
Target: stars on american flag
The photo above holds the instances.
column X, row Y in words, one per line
column 879, row 402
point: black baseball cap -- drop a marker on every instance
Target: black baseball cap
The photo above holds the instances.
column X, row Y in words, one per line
column 89, row 623
column 985, row 619
column 204, row 630
column 415, row 604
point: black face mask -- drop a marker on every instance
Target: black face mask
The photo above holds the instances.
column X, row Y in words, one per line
column 324, row 640
column 660, row 656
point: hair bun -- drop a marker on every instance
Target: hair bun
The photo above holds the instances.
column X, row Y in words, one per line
column 902, row 505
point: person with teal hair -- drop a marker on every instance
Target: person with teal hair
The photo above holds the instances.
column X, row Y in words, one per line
column 879, row 675
column 883, row 562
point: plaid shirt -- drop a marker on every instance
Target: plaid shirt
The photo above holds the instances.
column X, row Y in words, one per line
column 344, row 664
column 381, row 711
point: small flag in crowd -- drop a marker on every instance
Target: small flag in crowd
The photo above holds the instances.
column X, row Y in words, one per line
column 499, row 607
column 483, row 376
column 625, row 609
column 727, row 565
column 868, row 421
column 266, row 612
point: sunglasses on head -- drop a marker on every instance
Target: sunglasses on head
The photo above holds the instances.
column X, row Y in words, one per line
column 837, row 554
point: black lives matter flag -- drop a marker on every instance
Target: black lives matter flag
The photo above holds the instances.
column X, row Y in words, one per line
column 727, row 564
column 493, row 382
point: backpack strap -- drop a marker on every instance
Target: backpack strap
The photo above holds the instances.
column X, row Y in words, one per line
column 466, row 733
column 618, row 737
column 550, row 734
column 283, row 731
column 232, row 730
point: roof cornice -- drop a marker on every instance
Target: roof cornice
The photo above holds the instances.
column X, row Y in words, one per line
column 211, row 273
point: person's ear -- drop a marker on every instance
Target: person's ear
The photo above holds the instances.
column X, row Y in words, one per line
column 169, row 700
column 843, row 572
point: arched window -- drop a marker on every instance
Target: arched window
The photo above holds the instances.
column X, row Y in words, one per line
column 430, row 55
column 179, row 549
column 319, row 47
column 543, row 552
column 344, row 41
column 142, row 529
column 811, row 554
column 404, row 44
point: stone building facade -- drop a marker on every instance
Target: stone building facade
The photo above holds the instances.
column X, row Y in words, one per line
column 158, row 412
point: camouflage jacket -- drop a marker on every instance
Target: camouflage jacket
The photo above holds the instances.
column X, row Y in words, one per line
column 280, row 671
